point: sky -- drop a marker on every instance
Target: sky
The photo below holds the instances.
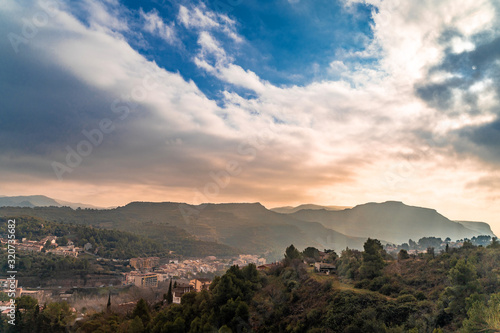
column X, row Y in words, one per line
column 282, row 102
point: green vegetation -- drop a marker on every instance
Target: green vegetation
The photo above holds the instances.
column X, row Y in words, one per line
column 35, row 269
column 456, row 291
column 110, row 243
column 373, row 262
column 105, row 243
column 291, row 253
column 193, row 230
column 54, row 317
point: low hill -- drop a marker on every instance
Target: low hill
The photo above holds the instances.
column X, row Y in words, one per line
column 392, row 221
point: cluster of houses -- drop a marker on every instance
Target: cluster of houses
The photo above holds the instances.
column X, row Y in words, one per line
column 417, row 248
column 148, row 272
column 150, row 280
column 246, row 259
column 37, row 246
column 189, row 268
column 145, row 263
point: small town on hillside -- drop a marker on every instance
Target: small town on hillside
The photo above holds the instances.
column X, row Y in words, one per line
column 190, row 274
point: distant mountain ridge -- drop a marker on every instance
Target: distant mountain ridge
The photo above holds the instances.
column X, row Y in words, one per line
column 393, row 221
column 252, row 228
column 291, row 209
column 39, row 201
column 480, row 227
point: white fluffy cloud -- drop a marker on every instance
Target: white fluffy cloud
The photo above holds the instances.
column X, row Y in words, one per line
column 199, row 17
column 155, row 25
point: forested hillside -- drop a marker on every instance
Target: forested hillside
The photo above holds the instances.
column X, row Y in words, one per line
column 119, row 244
column 454, row 291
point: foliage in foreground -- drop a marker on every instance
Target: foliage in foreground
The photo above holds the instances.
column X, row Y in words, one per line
column 449, row 292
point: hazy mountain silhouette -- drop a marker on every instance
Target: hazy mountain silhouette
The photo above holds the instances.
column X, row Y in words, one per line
column 480, row 227
column 28, row 201
column 252, row 228
column 248, row 227
column 39, row 201
column 392, row 221
column 291, row 209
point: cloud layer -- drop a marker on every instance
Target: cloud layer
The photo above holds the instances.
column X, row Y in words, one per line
column 412, row 116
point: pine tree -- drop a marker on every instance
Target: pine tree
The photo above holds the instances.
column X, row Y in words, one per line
column 142, row 311
column 292, row 253
column 373, row 262
column 170, row 296
column 108, row 306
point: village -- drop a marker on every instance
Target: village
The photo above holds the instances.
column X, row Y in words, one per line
column 143, row 273
column 49, row 244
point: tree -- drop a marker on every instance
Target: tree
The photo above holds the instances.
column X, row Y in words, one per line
column 468, row 244
column 225, row 329
column 464, row 282
column 403, row 255
column 250, row 273
column 349, row 263
column 142, row 311
column 292, row 253
column 170, row 296
column 27, row 263
column 136, row 325
column 430, row 251
column 27, row 311
column 484, row 318
column 62, row 241
column 494, row 243
column 108, row 306
column 56, row 317
column 311, row 252
column 332, row 257
column 373, row 261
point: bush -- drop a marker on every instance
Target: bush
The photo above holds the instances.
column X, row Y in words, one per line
column 389, row 289
column 363, row 284
column 406, row 299
column 378, row 282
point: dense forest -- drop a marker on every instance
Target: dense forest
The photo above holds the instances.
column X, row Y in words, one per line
column 453, row 291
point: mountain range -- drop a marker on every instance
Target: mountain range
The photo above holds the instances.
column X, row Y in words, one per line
column 394, row 222
column 39, row 201
column 252, row 228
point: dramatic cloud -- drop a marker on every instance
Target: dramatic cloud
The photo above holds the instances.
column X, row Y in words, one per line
column 88, row 114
